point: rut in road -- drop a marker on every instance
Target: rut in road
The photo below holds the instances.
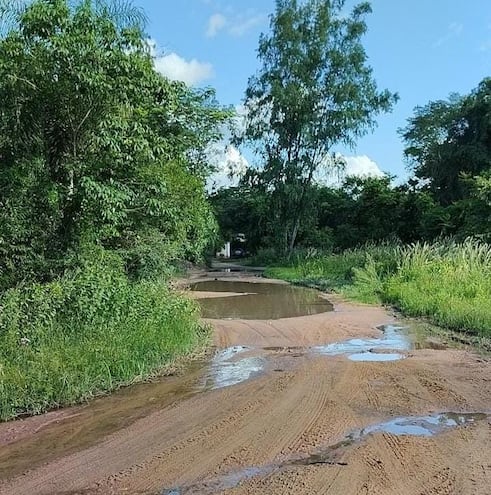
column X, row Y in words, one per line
column 301, row 403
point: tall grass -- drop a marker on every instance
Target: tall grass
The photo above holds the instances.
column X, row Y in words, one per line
column 87, row 333
column 336, row 271
column 446, row 282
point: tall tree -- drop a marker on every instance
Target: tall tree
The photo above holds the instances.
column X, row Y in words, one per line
column 314, row 90
column 449, row 140
column 95, row 144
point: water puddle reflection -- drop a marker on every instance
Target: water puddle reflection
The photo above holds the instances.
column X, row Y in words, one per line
column 228, row 368
column 331, row 456
column 424, row 425
column 394, row 338
column 376, row 356
column 260, row 301
column 105, row 415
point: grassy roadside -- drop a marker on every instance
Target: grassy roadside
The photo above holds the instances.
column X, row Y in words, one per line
column 88, row 333
column 447, row 283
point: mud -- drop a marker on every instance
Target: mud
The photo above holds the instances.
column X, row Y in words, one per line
column 259, row 301
column 270, row 413
column 329, row 456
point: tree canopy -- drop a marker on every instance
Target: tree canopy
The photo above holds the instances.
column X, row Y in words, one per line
column 95, row 145
column 448, row 140
column 314, row 90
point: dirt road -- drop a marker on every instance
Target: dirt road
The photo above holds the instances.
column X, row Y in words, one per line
column 295, row 426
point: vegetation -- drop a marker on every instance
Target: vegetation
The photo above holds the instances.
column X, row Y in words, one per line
column 103, row 163
column 87, row 333
column 448, row 194
column 314, row 90
column 101, row 191
column 447, row 282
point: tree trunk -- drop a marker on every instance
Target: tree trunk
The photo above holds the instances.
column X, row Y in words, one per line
column 293, row 238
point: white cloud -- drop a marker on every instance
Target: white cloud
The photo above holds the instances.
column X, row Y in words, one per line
column 240, row 26
column 456, row 28
column 230, row 165
column 177, row 68
column 215, row 24
column 362, row 166
column 333, row 175
column 235, row 25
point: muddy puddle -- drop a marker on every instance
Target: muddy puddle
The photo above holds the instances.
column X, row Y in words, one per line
column 83, row 426
column 61, row 433
column 332, row 455
column 259, row 301
column 393, row 338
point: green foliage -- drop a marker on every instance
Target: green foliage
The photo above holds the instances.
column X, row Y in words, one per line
column 447, row 282
column 102, row 172
column 362, row 210
column 313, row 91
column 447, row 140
column 242, row 210
column 96, row 146
column 449, row 152
column 87, row 333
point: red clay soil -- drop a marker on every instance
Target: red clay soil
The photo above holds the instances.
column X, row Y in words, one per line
column 172, row 437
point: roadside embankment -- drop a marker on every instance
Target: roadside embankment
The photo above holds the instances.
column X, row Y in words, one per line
column 447, row 283
column 87, row 333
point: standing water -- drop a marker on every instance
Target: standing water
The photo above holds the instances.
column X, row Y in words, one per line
column 259, row 301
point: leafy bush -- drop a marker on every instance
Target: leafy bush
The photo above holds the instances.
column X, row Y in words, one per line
column 86, row 333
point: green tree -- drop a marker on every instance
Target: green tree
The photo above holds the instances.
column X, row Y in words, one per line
column 95, row 145
column 242, row 209
column 314, row 90
column 449, row 140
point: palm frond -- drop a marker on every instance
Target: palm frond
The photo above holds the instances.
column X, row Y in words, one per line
column 124, row 13
column 10, row 11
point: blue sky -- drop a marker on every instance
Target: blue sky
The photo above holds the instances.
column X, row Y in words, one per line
column 422, row 49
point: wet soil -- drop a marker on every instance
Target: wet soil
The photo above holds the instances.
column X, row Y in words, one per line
column 283, row 406
column 330, row 455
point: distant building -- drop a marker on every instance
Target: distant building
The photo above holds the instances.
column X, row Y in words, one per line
column 236, row 248
column 224, row 252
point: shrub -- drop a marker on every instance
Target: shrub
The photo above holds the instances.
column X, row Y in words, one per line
column 88, row 332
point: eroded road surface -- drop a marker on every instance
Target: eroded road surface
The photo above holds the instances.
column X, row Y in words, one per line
column 342, row 400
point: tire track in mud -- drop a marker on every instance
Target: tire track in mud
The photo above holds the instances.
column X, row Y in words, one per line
column 259, row 440
column 291, row 413
column 309, row 403
column 192, row 423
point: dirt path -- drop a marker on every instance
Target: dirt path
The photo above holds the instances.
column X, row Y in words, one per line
column 289, row 429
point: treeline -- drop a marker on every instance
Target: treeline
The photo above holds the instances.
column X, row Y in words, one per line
column 101, row 192
column 448, row 147
column 96, row 147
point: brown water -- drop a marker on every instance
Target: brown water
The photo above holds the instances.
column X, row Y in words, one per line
column 86, row 425
column 259, row 301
